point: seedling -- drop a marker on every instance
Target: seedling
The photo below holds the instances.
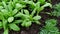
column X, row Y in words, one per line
column 50, row 27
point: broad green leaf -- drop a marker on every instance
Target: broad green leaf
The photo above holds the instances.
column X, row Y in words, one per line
column 4, row 24
column 46, row 5
column 10, row 7
column 26, row 12
column 14, row 11
column 1, row 16
column 23, row 2
column 19, row 6
column 33, row 12
column 41, row 1
column 5, row 12
column 18, row 14
column 23, row 23
column 10, row 19
column 17, row 21
column 14, row 27
column 37, row 17
column 37, row 22
column 26, row 24
column 37, row 6
column 32, row 4
column 4, row 4
column 21, row 15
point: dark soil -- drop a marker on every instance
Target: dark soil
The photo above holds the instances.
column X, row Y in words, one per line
column 34, row 29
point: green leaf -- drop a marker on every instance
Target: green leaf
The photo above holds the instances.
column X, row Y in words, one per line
column 5, row 31
column 37, row 22
column 4, row 4
column 41, row 1
column 4, row 23
column 19, row 14
column 33, row 12
column 37, row 6
column 4, row 12
column 31, row 4
column 26, row 12
column 17, row 21
column 10, row 7
column 26, row 24
column 46, row 5
column 1, row 16
column 14, row 27
column 14, row 11
column 37, row 17
column 19, row 6
column 10, row 19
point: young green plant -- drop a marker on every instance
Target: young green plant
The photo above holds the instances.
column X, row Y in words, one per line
column 50, row 27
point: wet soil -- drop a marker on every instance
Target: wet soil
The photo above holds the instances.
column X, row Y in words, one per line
column 34, row 28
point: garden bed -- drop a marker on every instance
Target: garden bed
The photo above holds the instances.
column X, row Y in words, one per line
column 34, row 28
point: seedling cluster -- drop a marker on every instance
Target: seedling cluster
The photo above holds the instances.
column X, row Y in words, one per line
column 20, row 12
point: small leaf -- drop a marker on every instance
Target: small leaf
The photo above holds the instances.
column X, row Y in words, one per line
column 10, row 19
column 37, row 17
column 31, row 4
column 46, row 5
column 14, row 27
column 19, row 6
column 5, row 6
column 26, row 12
column 17, row 21
column 14, row 11
column 37, row 22
column 37, row 6
column 33, row 12
column 19, row 14
column 4, row 12
column 42, row 1
column 10, row 7
column 4, row 24
column 1, row 16
column 26, row 24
